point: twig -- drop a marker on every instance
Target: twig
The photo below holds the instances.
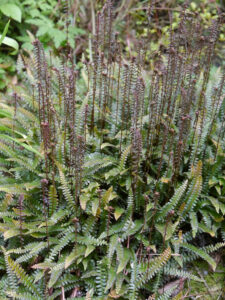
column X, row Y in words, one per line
column 205, row 283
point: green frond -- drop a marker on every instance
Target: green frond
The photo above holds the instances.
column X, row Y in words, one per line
column 148, row 271
column 212, row 248
column 201, row 253
column 65, row 188
column 27, row 280
column 173, row 201
column 56, row 272
column 123, row 158
column 180, row 274
column 112, row 248
column 101, row 278
column 22, row 296
column 63, row 242
column 11, row 275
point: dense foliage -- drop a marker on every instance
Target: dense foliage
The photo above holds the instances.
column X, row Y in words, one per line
column 113, row 170
column 55, row 21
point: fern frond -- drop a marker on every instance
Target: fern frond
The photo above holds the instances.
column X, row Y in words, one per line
column 147, row 272
column 201, row 253
column 172, row 203
column 180, row 273
column 65, row 188
column 123, row 158
column 27, row 280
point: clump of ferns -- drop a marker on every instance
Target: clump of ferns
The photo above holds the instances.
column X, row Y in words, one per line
column 111, row 163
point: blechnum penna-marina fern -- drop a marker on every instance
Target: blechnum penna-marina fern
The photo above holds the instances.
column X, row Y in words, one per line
column 107, row 168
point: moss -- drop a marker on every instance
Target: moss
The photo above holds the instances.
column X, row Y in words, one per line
column 214, row 280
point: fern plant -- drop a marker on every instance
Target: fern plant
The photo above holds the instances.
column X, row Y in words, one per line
column 108, row 167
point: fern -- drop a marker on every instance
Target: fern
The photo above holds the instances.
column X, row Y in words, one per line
column 201, row 253
column 21, row 275
column 172, row 203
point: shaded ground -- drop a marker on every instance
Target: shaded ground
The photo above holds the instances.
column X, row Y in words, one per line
column 213, row 287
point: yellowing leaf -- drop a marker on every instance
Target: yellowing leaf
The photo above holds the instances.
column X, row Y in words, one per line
column 109, row 195
column 165, row 180
column 118, row 212
column 10, row 233
column 95, row 206
column 44, row 265
column 83, row 201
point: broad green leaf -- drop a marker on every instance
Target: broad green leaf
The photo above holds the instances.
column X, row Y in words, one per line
column 149, row 206
column 11, row 43
column 107, row 145
column 112, row 173
column 12, row 11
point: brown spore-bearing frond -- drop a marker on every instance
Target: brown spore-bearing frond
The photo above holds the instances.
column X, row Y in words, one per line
column 138, row 103
column 125, row 79
column 136, row 151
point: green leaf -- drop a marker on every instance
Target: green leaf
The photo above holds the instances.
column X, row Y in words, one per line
column 4, row 32
column 90, row 248
column 108, row 195
column 215, row 203
column 123, row 262
column 218, row 189
column 11, row 43
column 58, row 36
column 194, row 223
column 11, row 10
column 95, row 206
column 111, row 278
column 77, row 252
column 118, row 212
column 10, row 233
column 84, row 198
